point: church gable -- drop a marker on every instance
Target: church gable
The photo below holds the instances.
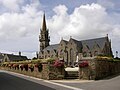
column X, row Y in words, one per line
column 51, row 51
column 96, row 50
column 86, row 50
column 72, row 44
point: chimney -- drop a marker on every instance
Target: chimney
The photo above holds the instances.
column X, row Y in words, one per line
column 37, row 54
column 19, row 53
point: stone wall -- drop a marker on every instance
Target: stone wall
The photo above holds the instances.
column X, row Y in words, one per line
column 48, row 71
column 106, row 68
column 99, row 68
column 88, row 72
column 51, row 73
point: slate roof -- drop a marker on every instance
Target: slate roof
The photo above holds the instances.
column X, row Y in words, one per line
column 65, row 41
column 16, row 57
column 1, row 56
column 52, row 47
column 90, row 42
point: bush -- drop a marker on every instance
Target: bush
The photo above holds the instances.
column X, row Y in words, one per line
column 31, row 67
column 39, row 66
column 58, row 63
column 50, row 60
column 83, row 64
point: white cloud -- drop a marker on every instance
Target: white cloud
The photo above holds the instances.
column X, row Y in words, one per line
column 19, row 30
column 86, row 18
column 11, row 4
column 106, row 3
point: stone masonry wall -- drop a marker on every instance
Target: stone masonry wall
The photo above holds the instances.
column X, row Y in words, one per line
column 99, row 68
column 48, row 71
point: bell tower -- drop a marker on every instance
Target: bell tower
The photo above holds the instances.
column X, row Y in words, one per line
column 44, row 35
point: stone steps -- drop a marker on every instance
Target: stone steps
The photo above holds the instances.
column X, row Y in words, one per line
column 71, row 73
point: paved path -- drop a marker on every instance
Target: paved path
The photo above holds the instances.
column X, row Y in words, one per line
column 14, row 81
column 108, row 84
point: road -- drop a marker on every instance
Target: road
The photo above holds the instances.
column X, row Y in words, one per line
column 105, row 84
column 14, row 81
column 10, row 82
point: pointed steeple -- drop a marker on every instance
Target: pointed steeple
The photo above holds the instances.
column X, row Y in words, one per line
column 44, row 35
column 44, row 23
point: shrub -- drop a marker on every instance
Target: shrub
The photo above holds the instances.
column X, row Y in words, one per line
column 31, row 67
column 50, row 60
column 21, row 66
column 39, row 66
column 83, row 64
column 26, row 67
column 58, row 63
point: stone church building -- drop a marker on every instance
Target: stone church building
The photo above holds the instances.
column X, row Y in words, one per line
column 70, row 50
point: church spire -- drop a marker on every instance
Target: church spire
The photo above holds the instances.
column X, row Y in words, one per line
column 44, row 23
column 44, row 35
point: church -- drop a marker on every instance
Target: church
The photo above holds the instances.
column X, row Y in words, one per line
column 71, row 49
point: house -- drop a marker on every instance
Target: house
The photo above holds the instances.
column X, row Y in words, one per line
column 11, row 57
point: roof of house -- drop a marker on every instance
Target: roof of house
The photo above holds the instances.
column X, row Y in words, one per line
column 51, row 47
column 1, row 56
column 65, row 41
column 16, row 57
column 91, row 42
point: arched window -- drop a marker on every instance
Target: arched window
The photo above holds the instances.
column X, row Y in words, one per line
column 71, row 56
column 90, row 54
column 84, row 54
column 95, row 53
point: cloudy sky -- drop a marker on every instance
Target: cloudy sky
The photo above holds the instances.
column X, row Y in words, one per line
column 20, row 22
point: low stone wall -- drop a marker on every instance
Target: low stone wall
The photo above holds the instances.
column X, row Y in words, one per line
column 51, row 73
column 99, row 68
column 88, row 72
column 106, row 68
column 48, row 71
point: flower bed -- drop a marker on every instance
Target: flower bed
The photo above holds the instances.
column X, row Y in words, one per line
column 42, row 68
column 83, row 64
column 39, row 66
column 58, row 63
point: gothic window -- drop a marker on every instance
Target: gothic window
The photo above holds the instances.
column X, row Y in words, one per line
column 61, row 53
column 56, row 54
column 87, row 46
column 51, row 56
column 48, row 51
column 45, row 56
column 95, row 53
column 90, row 54
column 71, row 55
column 84, row 54
column 54, row 50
